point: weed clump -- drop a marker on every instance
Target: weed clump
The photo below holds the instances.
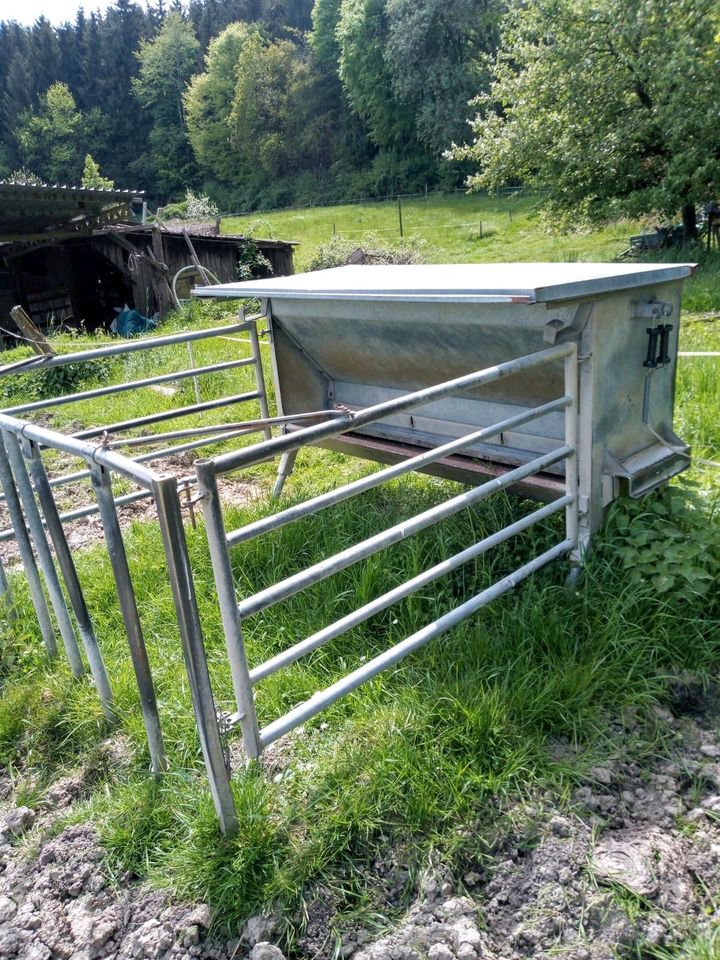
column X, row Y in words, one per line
column 339, row 251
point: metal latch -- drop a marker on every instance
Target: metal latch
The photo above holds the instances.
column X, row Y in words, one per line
column 656, row 310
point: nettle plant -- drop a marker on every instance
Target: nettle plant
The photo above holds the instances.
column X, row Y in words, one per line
column 669, row 540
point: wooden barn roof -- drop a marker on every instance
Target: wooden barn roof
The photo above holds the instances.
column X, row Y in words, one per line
column 36, row 213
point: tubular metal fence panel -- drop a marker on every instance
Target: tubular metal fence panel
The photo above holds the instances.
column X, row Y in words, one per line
column 38, row 526
column 221, row 541
column 28, row 494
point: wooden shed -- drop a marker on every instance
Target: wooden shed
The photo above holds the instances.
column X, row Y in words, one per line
column 71, row 255
column 223, row 255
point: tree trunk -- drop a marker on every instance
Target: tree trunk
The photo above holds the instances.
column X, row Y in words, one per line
column 689, row 222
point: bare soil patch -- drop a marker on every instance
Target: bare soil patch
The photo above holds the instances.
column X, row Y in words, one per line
column 629, row 863
column 87, row 531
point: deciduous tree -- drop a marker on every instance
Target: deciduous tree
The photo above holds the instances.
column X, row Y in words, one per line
column 270, row 106
column 167, row 64
column 366, row 77
column 51, row 141
column 609, row 105
column 209, row 102
column 438, row 56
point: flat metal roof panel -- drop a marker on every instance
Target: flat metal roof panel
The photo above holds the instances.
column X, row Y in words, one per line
column 466, row 282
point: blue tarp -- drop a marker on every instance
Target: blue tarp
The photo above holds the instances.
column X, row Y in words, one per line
column 131, row 323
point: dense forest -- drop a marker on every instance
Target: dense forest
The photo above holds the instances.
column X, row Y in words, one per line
column 256, row 102
column 609, row 106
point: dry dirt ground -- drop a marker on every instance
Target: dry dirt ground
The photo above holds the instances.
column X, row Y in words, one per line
column 626, row 862
column 87, row 531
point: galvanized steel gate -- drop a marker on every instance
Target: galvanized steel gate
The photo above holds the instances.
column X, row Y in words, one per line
column 38, row 525
column 235, row 611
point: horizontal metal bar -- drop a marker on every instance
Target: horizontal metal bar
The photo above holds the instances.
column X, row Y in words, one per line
column 133, row 346
column 332, row 497
column 333, row 630
column 399, row 531
column 180, row 448
column 304, row 711
column 163, row 415
column 131, row 385
column 90, row 509
column 156, row 455
column 263, row 343
column 78, row 448
column 26, row 365
column 87, row 511
column 249, row 426
column 192, row 445
column 699, row 353
column 293, row 441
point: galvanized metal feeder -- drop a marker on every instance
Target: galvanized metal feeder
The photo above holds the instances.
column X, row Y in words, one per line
column 355, row 336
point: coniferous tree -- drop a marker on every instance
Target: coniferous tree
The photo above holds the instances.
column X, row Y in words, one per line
column 122, row 29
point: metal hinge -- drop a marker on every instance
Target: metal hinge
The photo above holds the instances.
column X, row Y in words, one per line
column 652, row 310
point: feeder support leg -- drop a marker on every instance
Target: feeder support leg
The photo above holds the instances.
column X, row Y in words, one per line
column 287, row 462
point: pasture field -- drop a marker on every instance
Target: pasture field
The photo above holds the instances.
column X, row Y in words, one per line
column 409, row 760
column 468, row 228
column 448, row 226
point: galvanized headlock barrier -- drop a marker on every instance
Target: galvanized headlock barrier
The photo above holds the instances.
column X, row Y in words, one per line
column 38, row 526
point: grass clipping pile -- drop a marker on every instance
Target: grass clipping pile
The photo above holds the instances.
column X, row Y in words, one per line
column 628, row 865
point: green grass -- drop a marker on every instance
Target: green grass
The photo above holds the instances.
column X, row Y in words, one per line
column 413, row 757
column 512, row 229
column 405, row 761
column 697, row 399
column 702, row 946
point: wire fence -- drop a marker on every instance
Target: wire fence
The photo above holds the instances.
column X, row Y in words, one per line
column 509, row 193
column 474, row 224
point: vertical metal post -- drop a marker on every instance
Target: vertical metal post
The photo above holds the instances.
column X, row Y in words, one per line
column 571, row 462
column 128, row 607
column 26, row 552
column 400, row 220
column 224, row 581
column 45, row 558
column 589, row 499
column 259, row 377
column 6, row 601
column 70, row 577
column 183, row 588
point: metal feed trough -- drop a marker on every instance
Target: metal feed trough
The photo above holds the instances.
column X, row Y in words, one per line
column 552, row 380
